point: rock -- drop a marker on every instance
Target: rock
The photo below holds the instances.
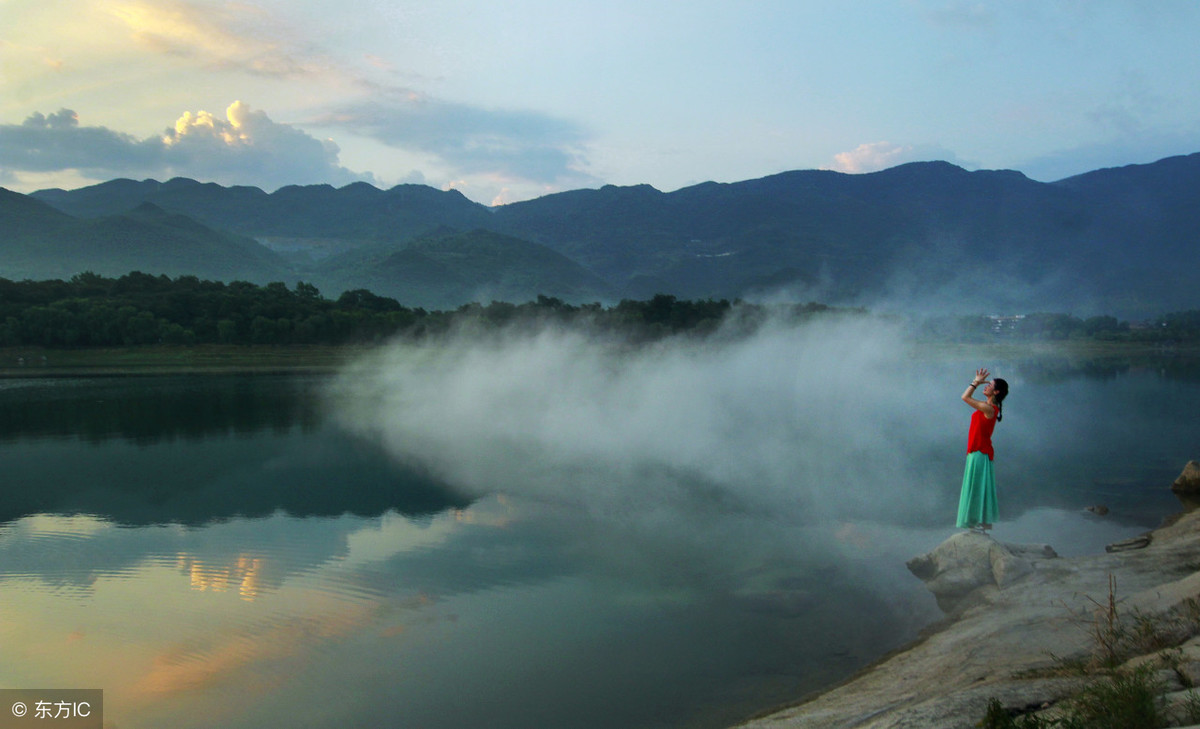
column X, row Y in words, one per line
column 1178, row 708
column 957, row 569
column 1188, row 481
column 1013, row 645
column 1168, row 680
column 1098, row 510
column 1190, row 671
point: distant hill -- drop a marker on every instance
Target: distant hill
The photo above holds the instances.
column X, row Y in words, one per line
column 448, row 268
column 925, row 235
column 915, row 234
column 22, row 217
column 355, row 212
column 38, row 242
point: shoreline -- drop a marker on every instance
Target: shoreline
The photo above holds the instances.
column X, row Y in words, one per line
column 156, row 359
column 1010, row 642
column 207, row 359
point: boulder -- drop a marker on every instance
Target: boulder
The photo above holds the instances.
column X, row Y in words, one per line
column 960, row 569
column 1188, row 481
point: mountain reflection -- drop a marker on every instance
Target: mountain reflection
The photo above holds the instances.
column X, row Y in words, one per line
column 192, row 450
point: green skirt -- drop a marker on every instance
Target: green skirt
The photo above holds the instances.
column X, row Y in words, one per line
column 977, row 503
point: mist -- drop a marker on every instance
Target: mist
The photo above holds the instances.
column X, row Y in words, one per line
column 782, row 477
column 825, row 420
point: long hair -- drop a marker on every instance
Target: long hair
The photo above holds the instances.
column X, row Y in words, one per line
column 1001, row 388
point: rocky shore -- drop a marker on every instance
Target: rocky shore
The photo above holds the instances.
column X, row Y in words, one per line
column 1017, row 616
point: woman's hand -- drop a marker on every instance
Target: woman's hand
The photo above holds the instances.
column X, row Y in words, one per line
column 983, row 406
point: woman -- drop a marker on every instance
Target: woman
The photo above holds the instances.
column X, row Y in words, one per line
column 977, row 503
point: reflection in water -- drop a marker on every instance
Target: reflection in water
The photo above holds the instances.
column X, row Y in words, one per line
column 501, row 614
column 148, row 410
column 253, row 445
column 472, row 616
column 212, row 630
column 1053, row 370
column 243, row 575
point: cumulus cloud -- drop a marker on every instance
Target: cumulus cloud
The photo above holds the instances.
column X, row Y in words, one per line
column 243, row 147
column 875, row 156
column 365, row 96
column 247, row 143
column 469, row 141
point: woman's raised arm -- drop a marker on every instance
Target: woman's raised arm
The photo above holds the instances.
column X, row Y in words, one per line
column 983, row 406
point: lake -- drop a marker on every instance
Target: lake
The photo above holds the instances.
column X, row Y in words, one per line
column 277, row 551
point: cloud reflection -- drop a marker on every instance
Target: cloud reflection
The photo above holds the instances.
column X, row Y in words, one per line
column 231, row 610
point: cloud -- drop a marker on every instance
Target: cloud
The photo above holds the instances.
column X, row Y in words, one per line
column 359, row 96
column 246, row 144
column 506, row 144
column 875, row 156
column 56, row 142
column 1115, row 152
column 960, row 15
column 231, row 36
column 245, row 147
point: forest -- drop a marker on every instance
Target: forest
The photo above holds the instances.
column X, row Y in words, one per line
column 137, row 309
column 90, row 310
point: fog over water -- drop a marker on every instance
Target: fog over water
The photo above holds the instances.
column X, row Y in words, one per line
column 769, row 468
column 841, row 424
column 802, row 421
column 762, row 471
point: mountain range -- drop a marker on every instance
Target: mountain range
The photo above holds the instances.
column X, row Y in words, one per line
column 927, row 236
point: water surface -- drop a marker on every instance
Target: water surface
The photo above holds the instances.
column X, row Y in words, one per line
column 220, row 551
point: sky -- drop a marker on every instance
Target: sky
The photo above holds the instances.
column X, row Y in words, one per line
column 511, row 101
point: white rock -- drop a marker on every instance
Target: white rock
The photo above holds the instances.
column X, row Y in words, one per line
column 1039, row 611
column 956, row 570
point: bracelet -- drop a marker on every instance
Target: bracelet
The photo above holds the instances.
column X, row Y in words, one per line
column 974, row 384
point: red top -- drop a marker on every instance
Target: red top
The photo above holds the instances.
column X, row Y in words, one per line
column 980, row 436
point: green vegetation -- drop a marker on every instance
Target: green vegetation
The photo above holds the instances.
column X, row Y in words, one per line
column 137, row 309
column 1121, row 696
column 1124, row 700
column 140, row 309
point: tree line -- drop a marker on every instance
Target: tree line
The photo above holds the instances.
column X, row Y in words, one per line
column 90, row 310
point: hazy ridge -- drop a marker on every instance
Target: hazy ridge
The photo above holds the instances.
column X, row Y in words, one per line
column 929, row 236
